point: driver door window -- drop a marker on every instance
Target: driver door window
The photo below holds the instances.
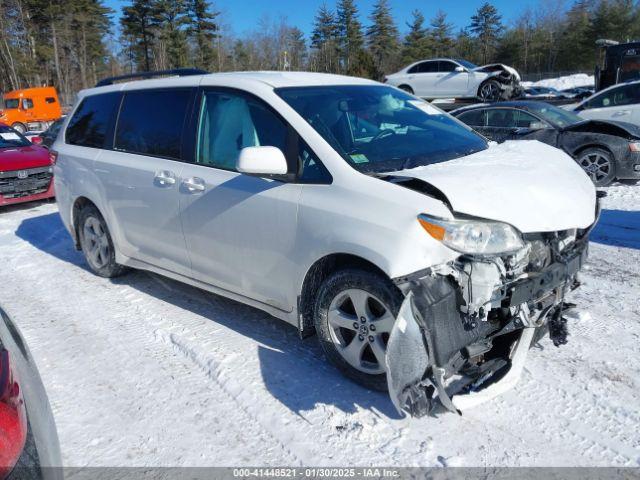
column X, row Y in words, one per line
column 230, row 122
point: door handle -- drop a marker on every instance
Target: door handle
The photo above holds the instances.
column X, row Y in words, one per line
column 165, row 178
column 194, row 184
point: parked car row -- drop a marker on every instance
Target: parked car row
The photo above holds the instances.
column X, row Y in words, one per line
column 606, row 150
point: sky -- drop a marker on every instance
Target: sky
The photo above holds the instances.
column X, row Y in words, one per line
column 243, row 15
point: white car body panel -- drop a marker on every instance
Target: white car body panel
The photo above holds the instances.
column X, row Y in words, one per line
column 534, row 178
column 623, row 113
column 268, row 243
column 433, row 85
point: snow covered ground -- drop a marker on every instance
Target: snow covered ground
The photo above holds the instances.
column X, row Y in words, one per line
column 144, row 371
column 561, row 83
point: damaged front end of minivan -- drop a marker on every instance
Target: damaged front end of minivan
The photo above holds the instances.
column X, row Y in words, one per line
column 465, row 327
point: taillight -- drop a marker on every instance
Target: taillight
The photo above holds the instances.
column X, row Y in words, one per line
column 53, row 156
column 13, row 417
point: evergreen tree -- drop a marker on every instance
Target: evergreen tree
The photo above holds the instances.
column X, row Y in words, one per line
column 170, row 19
column 486, row 25
column 324, row 27
column 416, row 45
column 137, row 21
column 203, row 29
column 296, row 49
column 382, row 38
column 440, row 35
column 324, row 38
column 350, row 38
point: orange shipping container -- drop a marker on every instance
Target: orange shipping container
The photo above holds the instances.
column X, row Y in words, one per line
column 30, row 108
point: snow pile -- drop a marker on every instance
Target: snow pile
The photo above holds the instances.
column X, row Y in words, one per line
column 562, row 83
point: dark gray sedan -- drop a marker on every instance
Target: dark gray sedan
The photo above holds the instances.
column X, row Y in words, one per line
column 605, row 149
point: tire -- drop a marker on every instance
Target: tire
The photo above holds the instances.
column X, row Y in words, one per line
column 406, row 88
column 490, row 91
column 599, row 164
column 19, row 127
column 96, row 243
column 350, row 298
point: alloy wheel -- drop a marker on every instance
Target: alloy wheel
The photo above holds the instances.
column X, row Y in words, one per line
column 359, row 326
column 490, row 91
column 597, row 165
column 96, row 243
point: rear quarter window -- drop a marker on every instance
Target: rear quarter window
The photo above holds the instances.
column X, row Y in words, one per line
column 151, row 122
column 89, row 124
column 473, row 118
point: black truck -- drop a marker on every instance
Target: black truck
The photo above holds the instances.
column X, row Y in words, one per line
column 621, row 63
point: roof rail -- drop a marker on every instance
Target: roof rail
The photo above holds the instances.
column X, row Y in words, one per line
column 179, row 72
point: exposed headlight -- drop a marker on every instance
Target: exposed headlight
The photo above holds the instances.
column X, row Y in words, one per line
column 634, row 147
column 473, row 237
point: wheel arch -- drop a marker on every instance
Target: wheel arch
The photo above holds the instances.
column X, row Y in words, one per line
column 484, row 82
column 406, row 87
column 78, row 204
column 316, row 274
column 601, row 146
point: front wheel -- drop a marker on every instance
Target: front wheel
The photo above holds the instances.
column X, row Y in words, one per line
column 19, row 127
column 598, row 164
column 96, row 243
column 354, row 315
column 490, row 91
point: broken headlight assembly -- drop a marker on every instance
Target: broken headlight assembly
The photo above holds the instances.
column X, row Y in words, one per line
column 473, row 236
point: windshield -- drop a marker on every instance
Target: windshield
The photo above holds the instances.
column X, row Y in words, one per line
column 555, row 115
column 11, row 103
column 382, row 129
column 9, row 138
column 466, row 64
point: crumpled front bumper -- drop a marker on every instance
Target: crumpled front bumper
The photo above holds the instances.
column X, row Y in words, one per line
column 432, row 342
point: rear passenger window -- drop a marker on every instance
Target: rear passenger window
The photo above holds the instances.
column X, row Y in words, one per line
column 474, row 118
column 88, row 126
column 151, row 122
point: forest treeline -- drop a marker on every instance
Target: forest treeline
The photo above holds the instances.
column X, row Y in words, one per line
column 72, row 44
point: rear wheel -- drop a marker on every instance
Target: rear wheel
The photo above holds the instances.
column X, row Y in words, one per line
column 490, row 91
column 354, row 315
column 19, row 127
column 598, row 164
column 96, row 243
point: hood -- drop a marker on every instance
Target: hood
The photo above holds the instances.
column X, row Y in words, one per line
column 20, row 158
column 607, row 127
column 528, row 184
column 497, row 67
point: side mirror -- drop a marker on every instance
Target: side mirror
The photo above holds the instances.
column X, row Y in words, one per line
column 459, row 69
column 262, row 161
column 36, row 140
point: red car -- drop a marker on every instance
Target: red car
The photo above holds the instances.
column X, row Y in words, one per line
column 26, row 171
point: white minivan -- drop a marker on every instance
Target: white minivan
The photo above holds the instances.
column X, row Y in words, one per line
column 426, row 259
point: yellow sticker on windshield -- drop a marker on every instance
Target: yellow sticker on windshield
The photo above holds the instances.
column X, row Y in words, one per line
column 359, row 158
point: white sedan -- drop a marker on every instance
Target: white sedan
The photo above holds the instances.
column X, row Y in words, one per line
column 619, row 102
column 448, row 78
